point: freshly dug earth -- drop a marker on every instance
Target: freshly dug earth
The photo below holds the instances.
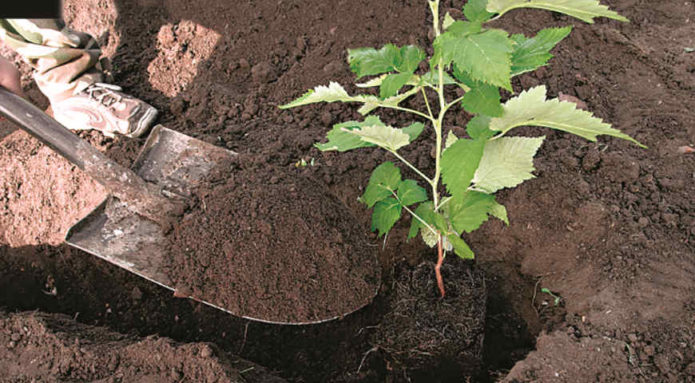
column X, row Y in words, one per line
column 270, row 244
column 606, row 226
column 54, row 348
column 430, row 339
column 37, row 185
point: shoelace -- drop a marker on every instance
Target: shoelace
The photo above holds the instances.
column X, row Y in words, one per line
column 105, row 93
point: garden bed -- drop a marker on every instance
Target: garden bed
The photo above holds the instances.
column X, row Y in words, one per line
column 606, row 226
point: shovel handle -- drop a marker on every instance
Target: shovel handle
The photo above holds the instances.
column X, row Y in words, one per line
column 144, row 198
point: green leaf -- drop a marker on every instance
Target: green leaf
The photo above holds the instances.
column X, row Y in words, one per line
column 585, row 10
column 426, row 212
column 500, row 212
column 332, row 93
column 469, row 210
column 506, row 162
column 448, row 20
column 458, row 164
column 393, row 83
column 479, row 127
column 390, row 58
column 475, row 10
column 409, row 193
column 414, row 130
column 386, row 137
column 386, row 214
column 384, row 180
column 483, row 99
column 533, row 53
column 461, row 248
column 432, row 78
column 531, row 108
column 369, row 61
column 485, row 56
column 450, row 139
column 373, row 102
column 341, row 140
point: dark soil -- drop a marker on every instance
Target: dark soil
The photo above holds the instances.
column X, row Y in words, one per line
column 428, row 338
column 271, row 244
column 606, row 226
column 58, row 349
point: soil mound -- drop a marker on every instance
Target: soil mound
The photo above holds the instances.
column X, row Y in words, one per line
column 271, row 244
column 52, row 347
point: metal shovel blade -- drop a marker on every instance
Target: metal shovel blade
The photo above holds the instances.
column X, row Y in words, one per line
column 177, row 163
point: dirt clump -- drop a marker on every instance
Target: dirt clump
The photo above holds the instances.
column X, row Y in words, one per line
column 53, row 348
column 430, row 338
column 268, row 243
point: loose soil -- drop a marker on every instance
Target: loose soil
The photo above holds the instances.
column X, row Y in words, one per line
column 62, row 350
column 606, row 226
column 273, row 245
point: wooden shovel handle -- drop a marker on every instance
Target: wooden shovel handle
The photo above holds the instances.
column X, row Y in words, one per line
column 142, row 197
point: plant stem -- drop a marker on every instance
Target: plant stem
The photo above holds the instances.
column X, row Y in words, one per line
column 438, row 268
column 416, row 170
column 434, row 6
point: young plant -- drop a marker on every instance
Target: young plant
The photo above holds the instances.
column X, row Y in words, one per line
column 480, row 61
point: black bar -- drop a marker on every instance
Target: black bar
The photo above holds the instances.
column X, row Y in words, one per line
column 31, row 9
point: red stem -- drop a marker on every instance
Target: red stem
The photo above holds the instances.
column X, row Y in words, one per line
column 438, row 268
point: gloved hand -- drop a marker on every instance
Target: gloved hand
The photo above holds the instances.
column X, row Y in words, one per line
column 9, row 77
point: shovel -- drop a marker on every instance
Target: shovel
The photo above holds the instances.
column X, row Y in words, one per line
column 128, row 228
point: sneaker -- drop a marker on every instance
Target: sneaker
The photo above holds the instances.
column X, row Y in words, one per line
column 105, row 108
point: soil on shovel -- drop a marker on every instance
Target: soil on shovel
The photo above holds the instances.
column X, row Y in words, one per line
column 269, row 244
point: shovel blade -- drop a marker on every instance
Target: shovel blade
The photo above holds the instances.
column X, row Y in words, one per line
column 175, row 162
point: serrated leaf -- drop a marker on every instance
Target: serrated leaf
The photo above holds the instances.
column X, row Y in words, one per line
column 383, row 182
column 479, row 128
column 342, row 141
column 410, row 193
column 386, row 137
column 386, row 214
column 485, row 56
column 467, row 211
column 414, row 130
column 393, row 83
column 450, row 139
column 500, row 212
column 390, row 58
column 426, row 212
column 506, row 162
column 533, row 53
column 332, row 93
column 475, row 10
column 373, row 102
column 460, row 246
column 369, row 61
column 585, row 10
column 483, row 99
column 432, row 78
column 531, row 108
column 458, row 164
